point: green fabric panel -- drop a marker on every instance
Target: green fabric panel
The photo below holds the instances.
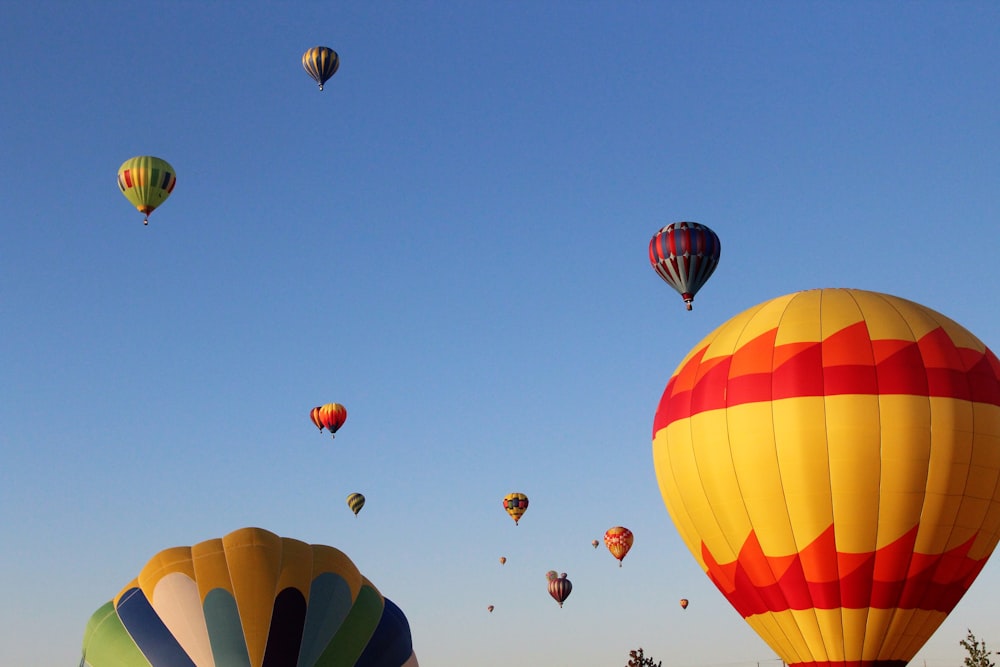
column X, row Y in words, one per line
column 225, row 632
column 106, row 643
column 357, row 629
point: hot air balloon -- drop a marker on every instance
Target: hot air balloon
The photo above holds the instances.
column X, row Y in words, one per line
column 355, row 501
column 831, row 459
column 559, row 588
column 685, row 255
column 618, row 540
column 551, row 575
column 503, row 559
column 321, row 63
column 146, row 181
column 594, row 543
column 314, row 416
column 515, row 504
column 489, row 608
column 684, row 603
column 330, row 416
column 205, row 605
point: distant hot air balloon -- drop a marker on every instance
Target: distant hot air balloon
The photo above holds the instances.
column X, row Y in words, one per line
column 685, row 255
column 515, row 504
column 321, row 63
column 206, row 605
column 560, row 588
column 594, row 543
column 831, row 459
column 684, row 603
column 619, row 541
column 356, row 501
column 551, row 575
column 146, row 181
column 330, row 416
column 314, row 416
column 490, row 609
column 503, row 559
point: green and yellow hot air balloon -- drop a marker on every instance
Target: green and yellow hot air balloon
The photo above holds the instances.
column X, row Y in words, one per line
column 146, row 181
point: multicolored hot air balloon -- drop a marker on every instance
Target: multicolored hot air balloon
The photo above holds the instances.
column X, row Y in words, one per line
column 594, row 544
column 551, row 575
column 355, row 501
column 685, row 255
column 684, row 603
column 146, row 181
column 330, row 416
column 619, row 540
column 831, row 459
column 516, row 504
column 559, row 588
column 206, row 605
column 321, row 62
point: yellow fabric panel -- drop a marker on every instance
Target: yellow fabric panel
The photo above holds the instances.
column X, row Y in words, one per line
column 891, row 318
column 329, row 559
column 759, row 475
column 296, row 566
column 210, row 567
column 669, row 490
column 715, row 480
column 790, row 647
column 840, row 310
column 906, row 451
column 175, row 559
column 254, row 557
column 800, row 320
column 746, row 326
column 852, row 426
column 805, row 470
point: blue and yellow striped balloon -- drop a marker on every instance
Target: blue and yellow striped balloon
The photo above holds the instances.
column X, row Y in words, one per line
column 321, row 62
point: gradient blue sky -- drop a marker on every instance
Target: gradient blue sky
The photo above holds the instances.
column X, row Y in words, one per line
column 450, row 240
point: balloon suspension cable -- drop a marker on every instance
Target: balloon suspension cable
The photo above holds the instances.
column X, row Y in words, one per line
column 145, row 220
column 321, row 86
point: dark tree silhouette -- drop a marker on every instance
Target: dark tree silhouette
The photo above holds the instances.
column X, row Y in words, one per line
column 978, row 656
column 638, row 659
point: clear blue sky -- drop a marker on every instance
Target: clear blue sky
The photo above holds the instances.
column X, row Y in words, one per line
column 450, row 239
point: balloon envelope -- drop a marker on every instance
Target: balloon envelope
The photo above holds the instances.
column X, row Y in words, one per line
column 146, row 181
column 559, row 588
column 330, row 416
column 355, row 501
column 831, row 459
column 205, row 605
column 685, row 255
column 321, row 62
column 619, row 540
column 516, row 504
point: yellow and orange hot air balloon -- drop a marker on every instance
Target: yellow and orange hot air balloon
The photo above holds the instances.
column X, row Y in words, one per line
column 330, row 416
column 831, row 458
column 619, row 540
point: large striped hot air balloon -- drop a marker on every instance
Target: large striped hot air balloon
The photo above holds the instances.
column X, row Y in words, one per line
column 146, row 181
column 250, row 598
column 330, row 416
column 831, row 458
column 685, row 255
column 321, row 62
